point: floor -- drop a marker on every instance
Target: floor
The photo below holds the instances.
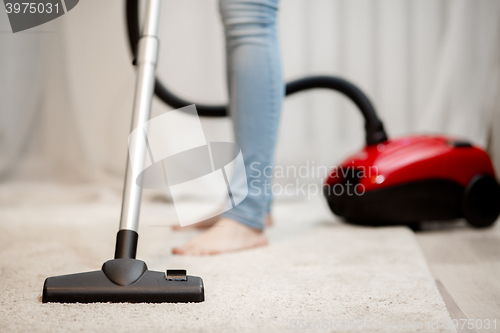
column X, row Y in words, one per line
column 316, row 271
column 465, row 263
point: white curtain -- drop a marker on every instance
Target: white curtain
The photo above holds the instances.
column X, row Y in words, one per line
column 429, row 67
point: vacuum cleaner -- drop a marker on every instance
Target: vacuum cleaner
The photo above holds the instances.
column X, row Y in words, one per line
column 413, row 179
column 398, row 181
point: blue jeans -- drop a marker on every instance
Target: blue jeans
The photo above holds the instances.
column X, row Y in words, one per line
column 256, row 91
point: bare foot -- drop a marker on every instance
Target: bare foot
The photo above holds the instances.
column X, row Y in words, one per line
column 226, row 235
column 205, row 224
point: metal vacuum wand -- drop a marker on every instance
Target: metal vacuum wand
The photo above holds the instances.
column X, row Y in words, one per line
column 126, row 279
column 147, row 58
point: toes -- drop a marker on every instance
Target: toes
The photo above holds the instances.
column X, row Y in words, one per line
column 188, row 250
column 213, row 252
column 177, row 250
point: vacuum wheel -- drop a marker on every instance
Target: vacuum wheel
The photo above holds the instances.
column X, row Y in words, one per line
column 481, row 205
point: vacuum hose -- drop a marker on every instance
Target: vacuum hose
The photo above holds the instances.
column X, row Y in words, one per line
column 374, row 128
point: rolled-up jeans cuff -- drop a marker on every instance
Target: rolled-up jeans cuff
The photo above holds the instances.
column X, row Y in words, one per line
column 247, row 220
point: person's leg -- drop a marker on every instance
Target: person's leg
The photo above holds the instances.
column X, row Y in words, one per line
column 256, row 91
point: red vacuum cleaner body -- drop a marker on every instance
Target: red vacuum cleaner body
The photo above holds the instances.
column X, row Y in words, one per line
column 411, row 179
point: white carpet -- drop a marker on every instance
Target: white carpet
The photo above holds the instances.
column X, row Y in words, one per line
column 316, row 272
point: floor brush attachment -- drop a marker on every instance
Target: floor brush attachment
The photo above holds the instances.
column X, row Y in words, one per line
column 124, row 280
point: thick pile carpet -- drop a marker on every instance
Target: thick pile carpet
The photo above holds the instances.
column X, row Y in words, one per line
column 317, row 274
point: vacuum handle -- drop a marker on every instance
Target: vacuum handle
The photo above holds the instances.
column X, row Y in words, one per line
column 147, row 58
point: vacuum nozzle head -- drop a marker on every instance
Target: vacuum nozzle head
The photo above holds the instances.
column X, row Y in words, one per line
column 149, row 287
